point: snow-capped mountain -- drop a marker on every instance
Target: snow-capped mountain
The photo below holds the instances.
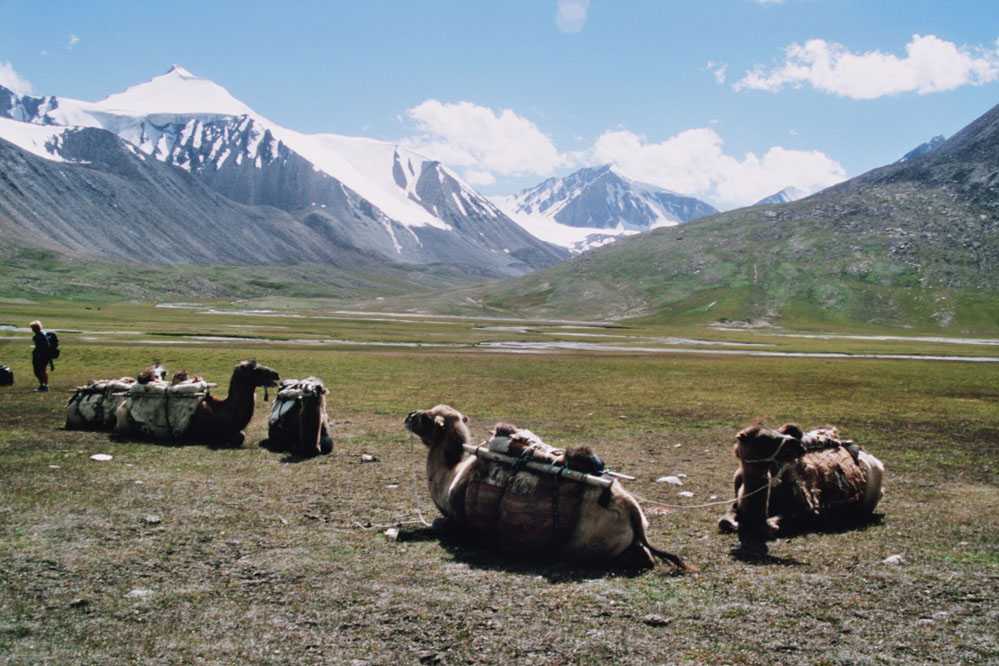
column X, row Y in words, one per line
column 595, row 206
column 924, row 148
column 372, row 196
column 784, row 196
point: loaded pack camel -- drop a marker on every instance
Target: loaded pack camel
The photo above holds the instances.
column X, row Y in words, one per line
column 184, row 411
column 789, row 479
column 298, row 422
column 528, row 513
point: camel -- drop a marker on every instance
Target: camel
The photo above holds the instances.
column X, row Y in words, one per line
column 597, row 525
column 298, row 422
column 789, row 479
column 214, row 421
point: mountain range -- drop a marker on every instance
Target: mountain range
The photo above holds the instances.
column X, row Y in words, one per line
column 594, row 206
column 913, row 244
column 176, row 170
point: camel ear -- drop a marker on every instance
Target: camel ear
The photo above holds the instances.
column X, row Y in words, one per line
column 439, row 420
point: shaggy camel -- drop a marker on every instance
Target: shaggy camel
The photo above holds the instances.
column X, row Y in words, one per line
column 788, row 479
column 215, row 421
column 598, row 525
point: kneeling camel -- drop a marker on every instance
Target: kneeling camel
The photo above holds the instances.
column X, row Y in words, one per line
column 788, row 479
column 578, row 522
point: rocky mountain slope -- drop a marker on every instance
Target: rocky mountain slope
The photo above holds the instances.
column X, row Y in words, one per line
column 914, row 243
column 594, row 206
column 338, row 194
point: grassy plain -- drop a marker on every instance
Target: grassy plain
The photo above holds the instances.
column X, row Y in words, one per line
column 259, row 559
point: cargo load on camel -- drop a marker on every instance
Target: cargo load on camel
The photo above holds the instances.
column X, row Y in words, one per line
column 298, row 422
column 94, row 406
column 160, row 410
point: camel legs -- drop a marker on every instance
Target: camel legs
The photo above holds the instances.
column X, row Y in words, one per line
column 729, row 523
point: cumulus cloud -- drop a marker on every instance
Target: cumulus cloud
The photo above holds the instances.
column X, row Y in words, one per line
column 72, row 41
column 719, row 70
column 930, row 65
column 695, row 162
column 570, row 15
column 484, row 142
column 10, row 79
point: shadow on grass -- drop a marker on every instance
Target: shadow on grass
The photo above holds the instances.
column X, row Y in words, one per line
column 758, row 554
column 290, row 457
column 481, row 553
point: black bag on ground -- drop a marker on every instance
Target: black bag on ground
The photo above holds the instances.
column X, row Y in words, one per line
column 6, row 376
column 53, row 344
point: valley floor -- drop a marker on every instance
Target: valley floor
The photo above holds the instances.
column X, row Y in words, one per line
column 189, row 554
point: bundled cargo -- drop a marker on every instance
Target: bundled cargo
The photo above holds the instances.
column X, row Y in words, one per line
column 93, row 407
column 160, row 410
column 6, row 376
column 298, row 422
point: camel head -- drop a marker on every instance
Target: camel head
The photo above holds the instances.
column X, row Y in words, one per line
column 439, row 425
column 253, row 374
column 758, row 445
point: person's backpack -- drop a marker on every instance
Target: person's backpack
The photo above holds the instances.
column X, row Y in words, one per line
column 6, row 376
column 53, row 344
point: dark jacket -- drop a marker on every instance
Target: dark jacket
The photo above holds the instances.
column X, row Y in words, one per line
column 40, row 354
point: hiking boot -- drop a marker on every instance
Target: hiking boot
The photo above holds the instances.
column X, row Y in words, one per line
column 42, row 389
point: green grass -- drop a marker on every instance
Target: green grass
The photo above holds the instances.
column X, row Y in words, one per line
column 263, row 561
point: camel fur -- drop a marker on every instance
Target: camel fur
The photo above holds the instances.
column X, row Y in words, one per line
column 212, row 421
column 608, row 524
column 789, row 479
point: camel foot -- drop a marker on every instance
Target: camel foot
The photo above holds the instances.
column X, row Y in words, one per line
column 728, row 525
column 753, row 550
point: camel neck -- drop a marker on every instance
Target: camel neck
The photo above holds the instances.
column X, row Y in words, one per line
column 442, row 463
column 239, row 402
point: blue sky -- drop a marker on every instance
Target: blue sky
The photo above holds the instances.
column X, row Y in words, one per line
column 622, row 80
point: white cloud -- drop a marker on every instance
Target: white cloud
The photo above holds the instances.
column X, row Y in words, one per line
column 694, row 162
column 484, row 142
column 718, row 69
column 73, row 41
column 570, row 15
column 930, row 65
column 10, row 79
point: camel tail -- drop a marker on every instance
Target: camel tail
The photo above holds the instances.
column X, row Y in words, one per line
column 638, row 524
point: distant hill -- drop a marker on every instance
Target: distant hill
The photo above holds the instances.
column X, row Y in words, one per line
column 914, row 243
column 924, row 148
column 784, row 196
column 594, row 206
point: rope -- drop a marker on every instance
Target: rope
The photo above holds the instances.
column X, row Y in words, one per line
column 773, row 481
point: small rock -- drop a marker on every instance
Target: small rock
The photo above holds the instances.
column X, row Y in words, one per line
column 681, row 475
column 79, row 603
column 139, row 593
column 101, row 457
column 152, row 519
column 894, row 560
column 685, row 493
column 656, row 620
column 713, row 497
column 392, row 534
column 367, row 457
column 940, row 615
column 54, row 467
column 138, row 483
column 431, row 657
column 671, row 480
column 676, row 446
column 392, row 486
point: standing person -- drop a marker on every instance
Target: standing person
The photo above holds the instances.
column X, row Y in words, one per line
column 41, row 358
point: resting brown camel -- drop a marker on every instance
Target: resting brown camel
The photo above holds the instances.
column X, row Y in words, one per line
column 211, row 421
column 222, row 421
column 789, row 479
column 603, row 525
column 298, row 422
